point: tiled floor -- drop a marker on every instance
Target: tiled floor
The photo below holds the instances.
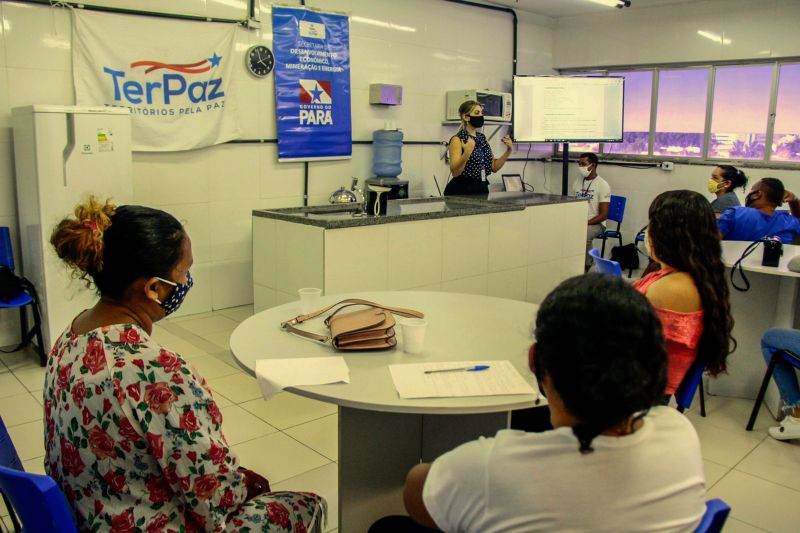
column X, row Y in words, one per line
column 293, row 440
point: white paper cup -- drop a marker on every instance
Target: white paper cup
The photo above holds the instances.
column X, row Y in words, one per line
column 309, row 299
column 413, row 334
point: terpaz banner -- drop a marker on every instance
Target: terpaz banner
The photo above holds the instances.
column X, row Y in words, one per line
column 312, row 84
column 174, row 76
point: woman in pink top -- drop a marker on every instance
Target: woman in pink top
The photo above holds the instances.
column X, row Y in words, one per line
column 688, row 288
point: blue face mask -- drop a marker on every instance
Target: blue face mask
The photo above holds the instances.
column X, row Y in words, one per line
column 178, row 294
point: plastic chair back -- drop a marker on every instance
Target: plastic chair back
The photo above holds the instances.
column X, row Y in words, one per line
column 6, row 252
column 717, row 512
column 616, row 209
column 605, row 266
column 8, row 454
column 688, row 387
column 38, row 502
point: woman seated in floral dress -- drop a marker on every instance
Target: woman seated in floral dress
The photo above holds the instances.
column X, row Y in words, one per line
column 133, row 435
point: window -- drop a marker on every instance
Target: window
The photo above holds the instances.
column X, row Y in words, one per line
column 708, row 115
column 740, row 112
column 786, row 139
column 681, row 112
column 638, row 97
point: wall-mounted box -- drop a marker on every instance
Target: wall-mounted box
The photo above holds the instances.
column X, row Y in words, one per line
column 385, row 94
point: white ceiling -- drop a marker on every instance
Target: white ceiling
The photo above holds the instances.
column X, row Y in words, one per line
column 566, row 8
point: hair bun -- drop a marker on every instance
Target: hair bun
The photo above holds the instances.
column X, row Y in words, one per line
column 78, row 241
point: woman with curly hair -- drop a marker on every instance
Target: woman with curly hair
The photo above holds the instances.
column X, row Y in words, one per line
column 687, row 286
column 132, row 433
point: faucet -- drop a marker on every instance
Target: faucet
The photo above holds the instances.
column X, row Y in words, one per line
column 360, row 198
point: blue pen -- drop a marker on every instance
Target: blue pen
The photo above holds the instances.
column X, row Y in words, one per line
column 476, row 368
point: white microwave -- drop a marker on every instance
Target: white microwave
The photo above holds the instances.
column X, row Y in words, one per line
column 496, row 105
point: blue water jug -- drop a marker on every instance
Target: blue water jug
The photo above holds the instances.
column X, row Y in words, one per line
column 387, row 146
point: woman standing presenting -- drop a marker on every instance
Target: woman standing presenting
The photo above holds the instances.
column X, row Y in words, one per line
column 471, row 158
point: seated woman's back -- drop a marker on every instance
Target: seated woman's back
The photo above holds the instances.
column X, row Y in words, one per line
column 614, row 461
column 651, row 480
column 688, row 287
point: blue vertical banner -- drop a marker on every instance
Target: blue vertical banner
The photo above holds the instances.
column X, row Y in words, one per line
column 312, row 84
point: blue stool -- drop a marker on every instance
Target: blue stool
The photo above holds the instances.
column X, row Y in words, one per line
column 692, row 381
column 716, row 514
column 605, row 266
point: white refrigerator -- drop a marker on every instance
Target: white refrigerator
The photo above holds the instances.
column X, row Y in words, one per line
column 62, row 155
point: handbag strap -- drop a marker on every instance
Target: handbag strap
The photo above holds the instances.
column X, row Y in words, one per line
column 326, row 339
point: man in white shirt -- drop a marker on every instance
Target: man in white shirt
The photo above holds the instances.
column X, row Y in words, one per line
column 614, row 462
column 597, row 191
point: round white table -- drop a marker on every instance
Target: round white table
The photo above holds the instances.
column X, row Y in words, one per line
column 771, row 302
column 381, row 436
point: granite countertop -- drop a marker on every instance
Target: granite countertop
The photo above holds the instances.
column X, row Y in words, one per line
column 337, row 216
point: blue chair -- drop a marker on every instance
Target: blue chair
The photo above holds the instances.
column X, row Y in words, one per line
column 605, row 266
column 778, row 355
column 9, row 459
column 35, row 499
column 616, row 210
column 25, row 298
column 716, row 514
column 692, row 381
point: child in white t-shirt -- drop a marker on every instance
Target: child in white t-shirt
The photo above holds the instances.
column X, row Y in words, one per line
column 614, row 462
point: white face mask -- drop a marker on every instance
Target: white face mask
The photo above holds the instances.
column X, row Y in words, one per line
column 584, row 171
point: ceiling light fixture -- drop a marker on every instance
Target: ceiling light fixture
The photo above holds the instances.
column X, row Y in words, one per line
column 619, row 4
column 719, row 39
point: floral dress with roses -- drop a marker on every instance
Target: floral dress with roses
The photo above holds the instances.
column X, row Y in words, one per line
column 133, row 437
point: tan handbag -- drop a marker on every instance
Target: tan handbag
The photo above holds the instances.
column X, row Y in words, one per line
column 366, row 329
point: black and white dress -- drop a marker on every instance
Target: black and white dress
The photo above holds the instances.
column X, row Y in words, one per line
column 474, row 178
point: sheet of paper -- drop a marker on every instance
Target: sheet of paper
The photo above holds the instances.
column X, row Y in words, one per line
column 500, row 378
column 274, row 375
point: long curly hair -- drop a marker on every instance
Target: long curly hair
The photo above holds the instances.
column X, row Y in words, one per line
column 683, row 234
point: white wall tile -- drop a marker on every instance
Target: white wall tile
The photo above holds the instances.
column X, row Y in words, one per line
column 38, row 86
column 233, row 171
column 175, row 177
column 37, row 37
column 573, row 240
column 231, row 283
column 265, row 249
column 227, row 9
column 465, row 245
column 277, row 180
column 5, row 109
column 471, row 285
column 415, row 254
column 180, row 7
column 572, row 266
column 356, row 259
column 299, row 262
column 231, row 229
column 511, row 284
column 544, row 242
column 263, row 298
column 508, row 240
column 8, row 188
column 542, row 278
